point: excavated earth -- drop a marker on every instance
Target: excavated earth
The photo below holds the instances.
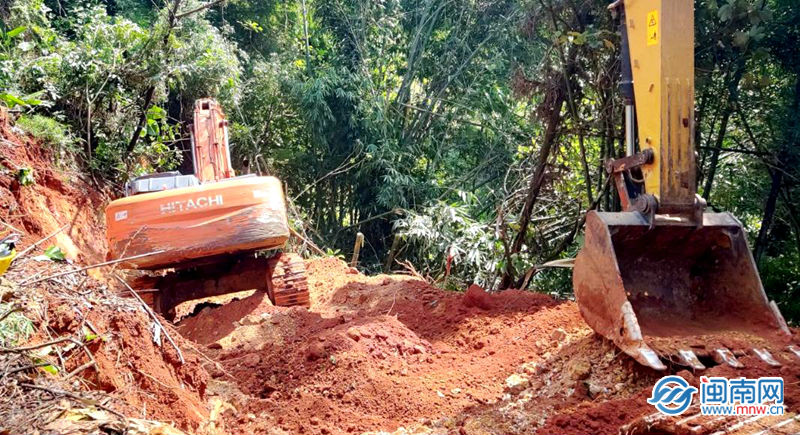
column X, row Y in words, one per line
column 372, row 353
column 385, row 353
column 393, row 353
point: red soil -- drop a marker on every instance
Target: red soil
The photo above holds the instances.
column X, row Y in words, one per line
column 608, row 416
column 55, row 198
column 385, row 352
column 149, row 381
column 373, row 353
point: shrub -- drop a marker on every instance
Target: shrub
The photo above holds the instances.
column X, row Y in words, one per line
column 51, row 132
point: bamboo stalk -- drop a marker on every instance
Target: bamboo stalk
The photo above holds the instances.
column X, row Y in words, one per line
column 357, row 249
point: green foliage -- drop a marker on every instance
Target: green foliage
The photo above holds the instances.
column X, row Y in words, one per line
column 94, row 63
column 334, row 253
column 11, row 101
column 52, row 253
column 8, row 61
column 780, row 273
column 49, row 368
column 447, row 230
column 25, row 176
column 554, row 281
column 14, row 328
column 50, row 131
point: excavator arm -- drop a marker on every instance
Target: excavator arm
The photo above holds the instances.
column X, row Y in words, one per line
column 658, row 81
column 665, row 281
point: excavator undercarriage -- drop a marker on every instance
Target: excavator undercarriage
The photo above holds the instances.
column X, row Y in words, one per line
column 282, row 276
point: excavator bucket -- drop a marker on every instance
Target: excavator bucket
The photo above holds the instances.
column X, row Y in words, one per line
column 675, row 292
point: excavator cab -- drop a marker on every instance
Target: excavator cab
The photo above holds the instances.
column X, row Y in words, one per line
column 664, row 280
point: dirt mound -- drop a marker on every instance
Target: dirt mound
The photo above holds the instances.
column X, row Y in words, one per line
column 50, row 202
column 94, row 341
column 151, row 379
column 395, row 353
column 373, row 353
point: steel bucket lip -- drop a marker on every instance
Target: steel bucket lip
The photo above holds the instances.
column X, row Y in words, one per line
column 633, row 218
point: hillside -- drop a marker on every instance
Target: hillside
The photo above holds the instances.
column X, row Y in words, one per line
column 380, row 353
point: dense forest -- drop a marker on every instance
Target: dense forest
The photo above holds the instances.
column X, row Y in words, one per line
column 465, row 138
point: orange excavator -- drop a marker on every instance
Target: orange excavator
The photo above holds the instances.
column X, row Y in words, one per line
column 664, row 280
column 211, row 232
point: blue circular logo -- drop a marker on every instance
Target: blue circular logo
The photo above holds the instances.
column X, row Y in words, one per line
column 672, row 395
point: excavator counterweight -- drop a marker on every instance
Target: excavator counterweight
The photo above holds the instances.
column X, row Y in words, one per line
column 664, row 280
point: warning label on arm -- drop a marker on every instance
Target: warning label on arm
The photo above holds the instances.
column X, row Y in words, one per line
column 652, row 28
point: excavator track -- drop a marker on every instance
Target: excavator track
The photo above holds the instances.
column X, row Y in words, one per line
column 282, row 277
column 287, row 284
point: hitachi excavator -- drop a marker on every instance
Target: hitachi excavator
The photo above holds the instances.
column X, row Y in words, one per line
column 212, row 232
column 667, row 282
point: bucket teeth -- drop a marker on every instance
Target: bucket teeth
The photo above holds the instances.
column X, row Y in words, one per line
column 688, row 358
column 766, row 357
column 723, row 355
column 794, row 350
column 650, row 358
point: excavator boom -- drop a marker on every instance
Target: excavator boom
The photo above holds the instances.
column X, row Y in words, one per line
column 665, row 281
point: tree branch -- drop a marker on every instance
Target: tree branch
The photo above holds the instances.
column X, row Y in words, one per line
column 199, row 8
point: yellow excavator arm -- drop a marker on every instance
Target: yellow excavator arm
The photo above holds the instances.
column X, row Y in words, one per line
column 662, row 279
column 658, row 80
column 661, row 41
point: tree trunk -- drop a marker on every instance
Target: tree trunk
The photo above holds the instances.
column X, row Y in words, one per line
column 148, row 99
column 150, row 92
column 794, row 214
column 769, row 215
column 777, row 174
column 733, row 95
column 712, row 168
column 587, row 177
column 552, row 124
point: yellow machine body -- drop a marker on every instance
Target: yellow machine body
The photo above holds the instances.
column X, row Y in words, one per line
column 6, row 260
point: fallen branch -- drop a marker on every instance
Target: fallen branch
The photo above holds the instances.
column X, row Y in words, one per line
column 81, row 368
column 93, row 266
column 152, row 378
column 396, row 211
column 24, row 368
column 153, row 315
column 311, row 244
column 198, row 9
column 411, row 270
column 73, row 396
column 22, row 349
column 127, row 245
column 11, row 226
column 33, row 246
